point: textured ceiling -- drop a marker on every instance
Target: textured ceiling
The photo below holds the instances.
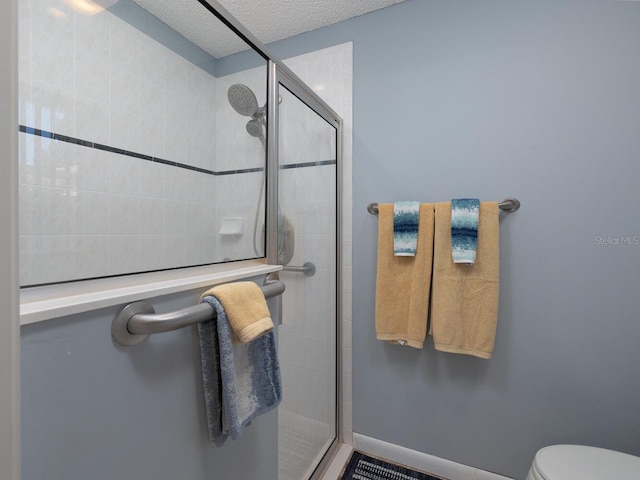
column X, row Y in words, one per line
column 267, row 20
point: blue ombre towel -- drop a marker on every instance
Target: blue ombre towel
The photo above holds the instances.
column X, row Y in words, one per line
column 464, row 229
column 406, row 216
column 240, row 380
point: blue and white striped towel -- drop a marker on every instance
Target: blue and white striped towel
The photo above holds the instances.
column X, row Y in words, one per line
column 406, row 216
column 464, row 229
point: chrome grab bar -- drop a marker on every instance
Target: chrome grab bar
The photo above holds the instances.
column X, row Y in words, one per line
column 135, row 322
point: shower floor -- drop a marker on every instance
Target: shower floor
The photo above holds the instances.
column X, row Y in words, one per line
column 300, row 449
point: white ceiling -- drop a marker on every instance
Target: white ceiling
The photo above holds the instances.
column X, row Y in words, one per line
column 267, row 20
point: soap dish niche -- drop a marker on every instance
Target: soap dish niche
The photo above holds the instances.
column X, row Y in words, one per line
column 231, row 226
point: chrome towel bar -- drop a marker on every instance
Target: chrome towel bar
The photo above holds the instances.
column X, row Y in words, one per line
column 506, row 205
column 138, row 320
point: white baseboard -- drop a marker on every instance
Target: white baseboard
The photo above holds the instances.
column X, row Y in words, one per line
column 420, row 461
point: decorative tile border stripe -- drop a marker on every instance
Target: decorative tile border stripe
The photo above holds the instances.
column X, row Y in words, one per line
column 308, row 164
column 129, row 153
column 119, row 151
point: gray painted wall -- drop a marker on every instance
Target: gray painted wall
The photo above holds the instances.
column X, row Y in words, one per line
column 534, row 99
column 92, row 409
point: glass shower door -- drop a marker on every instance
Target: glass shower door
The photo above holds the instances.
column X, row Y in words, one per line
column 307, row 152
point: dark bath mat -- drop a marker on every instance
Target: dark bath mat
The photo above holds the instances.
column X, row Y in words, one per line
column 363, row 467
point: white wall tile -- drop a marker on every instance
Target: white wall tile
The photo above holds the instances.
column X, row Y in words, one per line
column 152, row 101
column 52, row 60
column 24, row 38
column 49, row 258
column 90, row 168
column 91, row 47
column 25, row 105
column 152, row 138
column 92, row 213
column 124, row 214
column 150, row 179
column 177, row 148
column 47, row 162
column 175, row 250
column 92, row 35
column 175, row 183
column 124, row 174
column 125, row 130
column 28, row 210
column 151, row 252
column 124, row 253
column 53, row 18
column 125, row 91
column 200, row 247
column 89, row 256
column 59, row 218
column 125, row 51
column 175, row 216
column 53, row 108
column 153, row 61
column 176, row 94
column 93, row 122
column 150, row 217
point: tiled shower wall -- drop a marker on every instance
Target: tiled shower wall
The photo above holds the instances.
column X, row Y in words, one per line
column 97, row 80
column 239, row 195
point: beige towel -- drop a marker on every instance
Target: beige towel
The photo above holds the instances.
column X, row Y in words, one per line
column 246, row 309
column 464, row 303
column 402, row 283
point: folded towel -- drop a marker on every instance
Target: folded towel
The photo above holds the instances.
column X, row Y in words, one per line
column 406, row 218
column 464, row 301
column 464, row 229
column 246, row 309
column 402, row 283
column 241, row 381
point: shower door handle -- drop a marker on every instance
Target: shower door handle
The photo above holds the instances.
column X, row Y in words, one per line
column 308, row 268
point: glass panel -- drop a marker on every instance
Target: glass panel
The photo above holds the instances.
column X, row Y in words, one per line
column 136, row 153
column 307, row 336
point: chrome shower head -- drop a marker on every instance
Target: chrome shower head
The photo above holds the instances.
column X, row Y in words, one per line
column 243, row 100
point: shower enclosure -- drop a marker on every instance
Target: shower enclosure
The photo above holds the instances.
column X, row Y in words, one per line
column 161, row 138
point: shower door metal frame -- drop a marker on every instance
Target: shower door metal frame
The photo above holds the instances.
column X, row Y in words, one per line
column 279, row 74
column 10, row 466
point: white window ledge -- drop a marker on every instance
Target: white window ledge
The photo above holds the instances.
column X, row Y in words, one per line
column 44, row 303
